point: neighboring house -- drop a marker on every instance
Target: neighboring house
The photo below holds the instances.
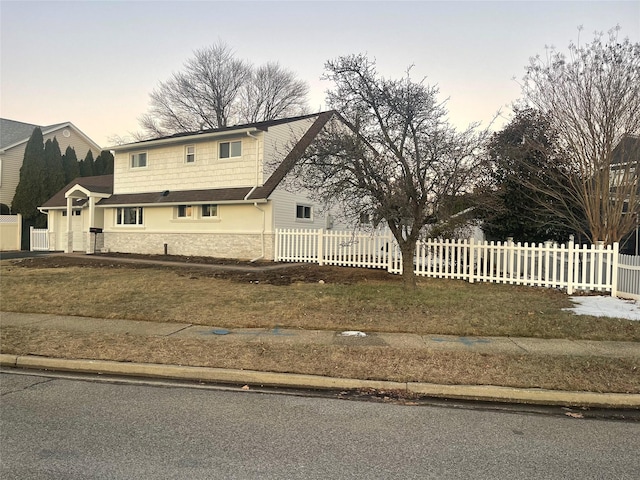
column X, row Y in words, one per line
column 217, row 193
column 625, row 166
column 13, row 141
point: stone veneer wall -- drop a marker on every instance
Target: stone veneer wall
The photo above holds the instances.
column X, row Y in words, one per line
column 239, row 246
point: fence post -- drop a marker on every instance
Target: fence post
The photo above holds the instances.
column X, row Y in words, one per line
column 31, row 238
column 614, row 271
column 570, row 247
column 389, row 250
column 472, row 254
column 321, row 246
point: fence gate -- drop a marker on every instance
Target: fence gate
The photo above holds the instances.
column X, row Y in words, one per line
column 39, row 239
column 629, row 276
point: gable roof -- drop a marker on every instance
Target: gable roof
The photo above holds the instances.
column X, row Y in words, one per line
column 14, row 133
column 104, row 183
column 627, row 151
column 97, row 184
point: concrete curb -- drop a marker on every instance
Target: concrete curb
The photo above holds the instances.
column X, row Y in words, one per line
column 485, row 393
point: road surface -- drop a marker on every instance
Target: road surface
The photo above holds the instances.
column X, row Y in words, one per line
column 62, row 428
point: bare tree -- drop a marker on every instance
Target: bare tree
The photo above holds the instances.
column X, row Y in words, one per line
column 273, row 92
column 215, row 89
column 592, row 98
column 398, row 160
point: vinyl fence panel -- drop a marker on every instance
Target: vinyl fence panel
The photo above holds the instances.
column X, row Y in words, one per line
column 568, row 266
column 629, row 276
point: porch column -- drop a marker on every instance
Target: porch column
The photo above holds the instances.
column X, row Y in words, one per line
column 92, row 216
column 69, row 245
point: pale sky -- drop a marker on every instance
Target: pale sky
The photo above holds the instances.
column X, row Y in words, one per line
column 94, row 63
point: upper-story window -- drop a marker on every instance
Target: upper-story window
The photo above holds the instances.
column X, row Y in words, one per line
column 230, row 149
column 190, row 154
column 139, row 160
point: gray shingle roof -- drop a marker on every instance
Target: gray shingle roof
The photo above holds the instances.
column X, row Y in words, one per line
column 12, row 131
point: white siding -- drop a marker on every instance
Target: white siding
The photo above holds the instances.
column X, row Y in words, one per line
column 10, row 175
column 166, row 168
column 279, row 140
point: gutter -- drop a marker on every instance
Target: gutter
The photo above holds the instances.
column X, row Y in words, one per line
column 180, row 139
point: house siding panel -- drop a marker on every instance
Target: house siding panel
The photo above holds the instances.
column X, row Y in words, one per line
column 166, row 169
column 237, row 233
column 278, row 142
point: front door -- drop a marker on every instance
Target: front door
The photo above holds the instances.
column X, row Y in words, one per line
column 78, row 234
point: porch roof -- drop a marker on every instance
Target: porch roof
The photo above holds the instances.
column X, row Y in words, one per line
column 214, row 195
column 102, row 184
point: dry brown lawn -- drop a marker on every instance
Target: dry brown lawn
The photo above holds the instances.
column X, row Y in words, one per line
column 294, row 297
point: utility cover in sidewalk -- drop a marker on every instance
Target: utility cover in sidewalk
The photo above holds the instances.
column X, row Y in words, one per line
column 221, row 331
column 353, row 333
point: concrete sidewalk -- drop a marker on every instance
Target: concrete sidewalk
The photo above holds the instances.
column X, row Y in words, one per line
column 496, row 345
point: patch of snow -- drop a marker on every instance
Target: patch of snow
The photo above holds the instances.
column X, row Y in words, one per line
column 606, row 307
column 353, row 333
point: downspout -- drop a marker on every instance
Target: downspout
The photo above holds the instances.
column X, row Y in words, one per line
column 255, row 204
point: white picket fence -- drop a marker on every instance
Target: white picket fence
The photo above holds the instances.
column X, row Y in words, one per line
column 568, row 266
column 39, row 239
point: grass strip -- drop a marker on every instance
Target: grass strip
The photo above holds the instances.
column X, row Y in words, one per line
column 592, row 374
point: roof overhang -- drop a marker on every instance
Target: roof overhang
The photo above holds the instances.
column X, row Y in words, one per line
column 72, row 192
column 175, row 204
column 184, row 139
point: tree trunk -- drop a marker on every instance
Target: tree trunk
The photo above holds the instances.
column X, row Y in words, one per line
column 408, row 250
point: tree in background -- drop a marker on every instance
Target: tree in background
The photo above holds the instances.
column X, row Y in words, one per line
column 215, row 90
column 398, row 161
column 103, row 164
column 70, row 165
column 272, row 92
column 591, row 98
column 86, row 165
column 31, row 190
column 521, row 158
column 54, row 178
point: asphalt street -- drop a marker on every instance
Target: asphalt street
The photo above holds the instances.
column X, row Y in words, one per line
column 61, row 428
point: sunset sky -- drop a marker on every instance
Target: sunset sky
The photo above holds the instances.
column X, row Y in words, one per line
column 94, row 63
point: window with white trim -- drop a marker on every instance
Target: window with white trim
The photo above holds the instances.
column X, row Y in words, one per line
column 190, row 154
column 184, row 211
column 230, row 149
column 209, row 211
column 139, row 160
column 303, row 212
column 129, row 216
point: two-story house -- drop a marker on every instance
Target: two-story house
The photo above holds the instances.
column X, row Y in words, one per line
column 213, row 193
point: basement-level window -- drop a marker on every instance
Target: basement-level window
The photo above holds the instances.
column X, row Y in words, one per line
column 209, row 211
column 303, row 212
column 184, row 211
column 230, row 149
column 129, row 216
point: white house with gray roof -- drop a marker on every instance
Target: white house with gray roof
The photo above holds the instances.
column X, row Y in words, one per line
column 14, row 136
